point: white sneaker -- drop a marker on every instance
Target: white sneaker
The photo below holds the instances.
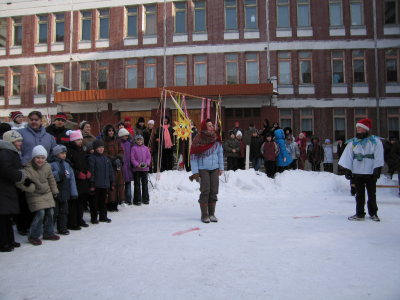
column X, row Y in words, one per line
column 356, row 218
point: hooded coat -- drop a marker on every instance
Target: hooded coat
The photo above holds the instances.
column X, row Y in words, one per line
column 328, row 154
column 267, row 129
column 140, row 154
column 65, row 183
column 11, row 174
column 283, row 153
column 230, row 144
column 127, row 166
column 60, row 134
column 79, row 163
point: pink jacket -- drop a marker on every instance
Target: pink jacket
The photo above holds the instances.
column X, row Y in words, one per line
column 140, row 154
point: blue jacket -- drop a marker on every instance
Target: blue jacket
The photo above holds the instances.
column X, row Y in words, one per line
column 32, row 138
column 65, row 183
column 280, row 140
column 102, row 171
column 328, row 152
column 211, row 162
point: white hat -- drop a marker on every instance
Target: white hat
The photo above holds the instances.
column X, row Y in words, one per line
column 123, row 132
column 150, row 122
column 39, row 150
column 239, row 133
column 12, row 136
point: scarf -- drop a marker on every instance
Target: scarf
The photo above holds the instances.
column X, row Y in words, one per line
column 167, row 137
column 205, row 143
column 365, row 139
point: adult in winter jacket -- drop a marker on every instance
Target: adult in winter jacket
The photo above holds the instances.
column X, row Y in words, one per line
column 128, row 126
column 165, row 134
column 266, row 129
column 17, row 120
column 242, row 152
column 10, row 175
column 301, row 141
column 315, row 154
column 389, row 160
column 150, row 143
column 283, row 159
column 207, row 159
column 140, row 158
column 328, row 156
column 269, row 150
column 140, row 126
column 293, row 149
column 235, row 129
column 363, row 159
column 115, row 152
column 339, row 152
column 58, row 130
column 127, row 144
column 87, row 136
column 232, row 148
column 255, row 149
column 275, row 126
column 395, row 154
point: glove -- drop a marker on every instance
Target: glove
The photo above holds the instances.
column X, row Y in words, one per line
column 111, row 186
column 55, row 196
column 377, row 173
column 88, row 174
column 61, row 175
column 27, row 182
column 117, row 163
column 143, row 165
column 348, row 174
column 194, row 177
column 81, row 176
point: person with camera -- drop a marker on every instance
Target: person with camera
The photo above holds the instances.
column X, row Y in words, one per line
column 140, row 158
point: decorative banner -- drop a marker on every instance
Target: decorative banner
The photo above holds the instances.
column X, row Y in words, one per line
column 184, row 104
column 202, row 109
column 208, row 108
column 182, row 128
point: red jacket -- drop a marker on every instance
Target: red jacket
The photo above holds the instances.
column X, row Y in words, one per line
column 130, row 129
column 270, row 150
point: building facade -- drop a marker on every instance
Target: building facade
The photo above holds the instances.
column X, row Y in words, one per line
column 330, row 62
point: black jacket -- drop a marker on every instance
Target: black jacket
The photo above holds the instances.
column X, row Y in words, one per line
column 147, row 135
column 315, row 151
column 160, row 132
column 395, row 154
column 340, row 149
column 255, row 147
column 60, row 134
column 79, row 164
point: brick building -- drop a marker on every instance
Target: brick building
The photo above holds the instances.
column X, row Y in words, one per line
column 330, row 62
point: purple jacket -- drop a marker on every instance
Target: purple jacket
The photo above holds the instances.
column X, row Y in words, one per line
column 127, row 166
column 140, row 154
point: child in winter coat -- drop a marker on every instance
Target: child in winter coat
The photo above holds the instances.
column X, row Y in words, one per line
column 65, row 178
column 140, row 158
column 294, row 151
column 39, row 194
column 127, row 166
column 315, row 154
column 102, row 179
column 232, row 148
column 328, row 156
column 255, row 149
column 283, row 159
column 301, row 141
column 270, row 150
column 242, row 152
column 80, row 166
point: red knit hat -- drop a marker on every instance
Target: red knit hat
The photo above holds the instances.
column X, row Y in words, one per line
column 365, row 123
column 61, row 116
column 127, row 118
column 15, row 114
column 236, row 123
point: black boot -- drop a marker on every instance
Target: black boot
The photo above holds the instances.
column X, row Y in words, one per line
column 204, row 213
column 211, row 212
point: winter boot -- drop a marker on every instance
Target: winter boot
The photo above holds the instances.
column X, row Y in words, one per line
column 204, row 213
column 375, row 218
column 211, row 211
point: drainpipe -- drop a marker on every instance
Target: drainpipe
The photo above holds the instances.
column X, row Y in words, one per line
column 376, row 72
column 267, row 20
column 165, row 43
column 70, row 45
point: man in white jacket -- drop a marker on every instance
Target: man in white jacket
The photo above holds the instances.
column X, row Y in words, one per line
column 363, row 158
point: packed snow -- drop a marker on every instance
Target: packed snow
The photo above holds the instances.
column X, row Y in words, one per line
column 282, row 238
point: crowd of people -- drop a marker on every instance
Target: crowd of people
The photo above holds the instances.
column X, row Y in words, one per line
column 52, row 175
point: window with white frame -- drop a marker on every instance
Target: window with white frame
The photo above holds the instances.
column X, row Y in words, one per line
column 41, row 79
column 390, row 8
column 180, row 17
column 338, row 67
column 359, row 114
column 180, row 70
column 200, row 70
column 58, row 76
column 284, row 66
column 394, row 122
column 150, row 72
column 16, row 81
column 250, row 10
column 359, row 66
column 102, row 74
column 285, row 118
column 251, row 68
column 3, row 32
column 306, row 121
column 59, row 31
column 42, row 25
column 283, row 15
column 86, row 19
column 303, row 13
column 305, row 67
column 339, row 124
column 150, row 20
column 199, row 16
column 356, row 12
column 131, row 21
column 104, row 23
column 17, row 28
column 392, row 65
column 2, row 81
column 335, row 12
column 85, row 76
column 131, row 73
column 232, row 69
column 230, row 15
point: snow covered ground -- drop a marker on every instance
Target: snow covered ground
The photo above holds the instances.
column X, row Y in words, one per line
column 287, row 238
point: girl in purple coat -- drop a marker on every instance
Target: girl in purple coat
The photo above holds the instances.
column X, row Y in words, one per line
column 127, row 166
column 140, row 158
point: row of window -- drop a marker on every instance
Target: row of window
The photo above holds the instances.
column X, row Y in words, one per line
column 340, row 120
column 149, row 13
column 338, row 73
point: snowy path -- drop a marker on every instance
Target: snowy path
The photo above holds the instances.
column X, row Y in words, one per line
column 258, row 250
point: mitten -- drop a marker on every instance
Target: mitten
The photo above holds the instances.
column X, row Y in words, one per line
column 27, row 182
column 111, row 186
column 194, row 177
column 377, row 173
column 88, row 174
column 348, row 174
column 81, row 176
column 61, row 175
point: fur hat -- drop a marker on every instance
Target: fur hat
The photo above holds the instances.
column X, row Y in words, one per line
column 97, row 143
column 39, row 150
column 268, row 135
column 123, row 132
column 127, row 118
column 239, row 133
column 4, row 127
column 141, row 120
column 15, row 114
column 61, row 116
column 12, row 136
column 58, row 149
column 365, row 123
column 150, row 122
column 75, row 135
column 70, row 117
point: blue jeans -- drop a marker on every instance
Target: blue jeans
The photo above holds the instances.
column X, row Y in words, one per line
column 256, row 163
column 42, row 217
column 128, row 191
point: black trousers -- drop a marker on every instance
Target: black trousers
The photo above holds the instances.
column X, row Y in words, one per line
column 270, row 168
column 167, row 160
column 280, row 169
column 98, row 204
column 60, row 214
column 369, row 183
column 328, row 167
column 6, row 230
column 232, row 163
column 241, row 163
column 316, row 167
column 293, row 165
column 154, row 164
column 141, row 191
column 25, row 218
column 186, row 161
column 75, row 216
